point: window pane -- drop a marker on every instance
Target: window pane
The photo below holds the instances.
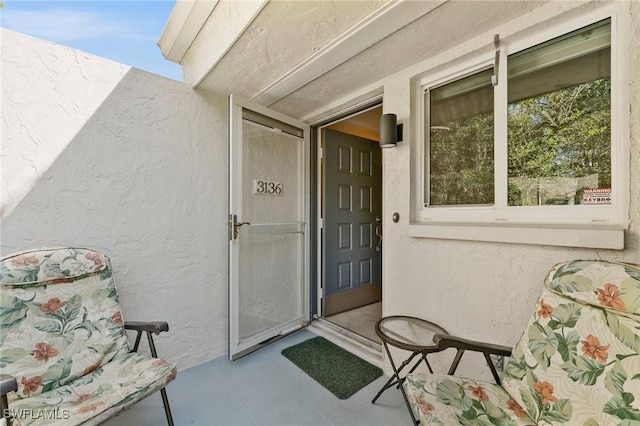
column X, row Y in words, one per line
column 559, row 120
column 460, row 148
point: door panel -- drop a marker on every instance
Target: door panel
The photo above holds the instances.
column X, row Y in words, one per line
column 352, row 210
column 268, row 236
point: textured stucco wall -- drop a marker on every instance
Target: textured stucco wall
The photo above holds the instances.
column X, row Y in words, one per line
column 130, row 164
column 478, row 290
column 79, row 88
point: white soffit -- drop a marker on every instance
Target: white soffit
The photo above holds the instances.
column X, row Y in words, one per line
column 409, row 51
column 184, row 24
column 378, row 25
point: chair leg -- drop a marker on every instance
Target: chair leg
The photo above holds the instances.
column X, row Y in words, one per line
column 163, row 391
column 167, row 409
column 4, row 409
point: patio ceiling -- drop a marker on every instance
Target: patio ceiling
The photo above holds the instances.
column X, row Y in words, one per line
column 299, row 56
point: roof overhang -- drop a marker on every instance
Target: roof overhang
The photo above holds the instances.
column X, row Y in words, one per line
column 207, row 29
column 298, row 57
column 189, row 17
column 184, row 24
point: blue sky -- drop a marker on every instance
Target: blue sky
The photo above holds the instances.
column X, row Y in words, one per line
column 125, row 31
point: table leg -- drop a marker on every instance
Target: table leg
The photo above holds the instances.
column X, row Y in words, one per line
column 394, row 378
column 399, row 380
column 426, row 361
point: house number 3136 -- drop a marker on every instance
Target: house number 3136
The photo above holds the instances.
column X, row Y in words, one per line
column 267, row 187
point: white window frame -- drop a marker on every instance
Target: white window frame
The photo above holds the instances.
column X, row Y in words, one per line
column 597, row 226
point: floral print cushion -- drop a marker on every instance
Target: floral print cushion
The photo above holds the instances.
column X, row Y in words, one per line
column 615, row 286
column 62, row 336
column 52, row 334
column 579, row 363
column 97, row 396
column 44, row 266
column 449, row 400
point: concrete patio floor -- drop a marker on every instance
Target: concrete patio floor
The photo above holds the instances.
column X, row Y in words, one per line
column 263, row 388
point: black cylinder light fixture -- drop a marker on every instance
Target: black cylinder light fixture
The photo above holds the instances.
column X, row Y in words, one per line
column 390, row 131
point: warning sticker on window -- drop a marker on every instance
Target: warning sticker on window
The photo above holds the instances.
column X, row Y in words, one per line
column 596, row 196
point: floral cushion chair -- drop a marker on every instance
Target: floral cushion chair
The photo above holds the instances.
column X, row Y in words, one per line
column 577, row 363
column 63, row 341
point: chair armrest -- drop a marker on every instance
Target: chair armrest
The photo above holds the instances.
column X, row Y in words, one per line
column 155, row 327
column 445, row 341
column 7, row 384
column 146, row 327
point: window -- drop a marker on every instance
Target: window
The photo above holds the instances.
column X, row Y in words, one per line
column 534, row 148
column 559, row 120
column 461, row 142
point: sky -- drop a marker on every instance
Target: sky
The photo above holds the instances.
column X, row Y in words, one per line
column 125, row 31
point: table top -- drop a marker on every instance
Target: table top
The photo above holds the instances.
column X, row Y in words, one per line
column 410, row 333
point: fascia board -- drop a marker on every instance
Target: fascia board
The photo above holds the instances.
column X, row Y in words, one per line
column 220, row 32
column 185, row 22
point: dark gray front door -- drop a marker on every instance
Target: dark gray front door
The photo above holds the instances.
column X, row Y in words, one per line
column 352, row 213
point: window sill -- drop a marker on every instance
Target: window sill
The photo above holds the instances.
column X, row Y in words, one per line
column 601, row 237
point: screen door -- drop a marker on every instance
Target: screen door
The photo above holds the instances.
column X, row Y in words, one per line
column 268, row 226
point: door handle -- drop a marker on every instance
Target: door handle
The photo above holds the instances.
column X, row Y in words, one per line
column 234, row 225
column 379, row 233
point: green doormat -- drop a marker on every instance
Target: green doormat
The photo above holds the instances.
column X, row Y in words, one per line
column 339, row 371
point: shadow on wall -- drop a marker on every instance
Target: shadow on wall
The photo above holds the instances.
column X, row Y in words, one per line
column 145, row 182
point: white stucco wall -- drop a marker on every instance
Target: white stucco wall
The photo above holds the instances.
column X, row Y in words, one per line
column 128, row 163
column 85, row 82
column 479, row 290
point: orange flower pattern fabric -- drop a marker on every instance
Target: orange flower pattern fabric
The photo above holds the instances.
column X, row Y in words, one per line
column 425, row 406
column 44, row 351
column 27, row 260
column 576, row 363
column 65, row 341
column 52, row 306
column 516, row 408
column 545, row 389
column 581, row 348
column 545, row 310
column 438, row 399
column 31, row 385
column 610, row 296
column 593, row 349
column 479, row 392
column 89, row 408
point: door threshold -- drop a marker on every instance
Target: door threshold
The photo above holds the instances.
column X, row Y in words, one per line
column 361, row 346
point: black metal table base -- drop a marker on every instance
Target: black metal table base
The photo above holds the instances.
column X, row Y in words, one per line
column 396, row 380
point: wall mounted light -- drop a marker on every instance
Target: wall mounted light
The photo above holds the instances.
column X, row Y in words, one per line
column 390, row 131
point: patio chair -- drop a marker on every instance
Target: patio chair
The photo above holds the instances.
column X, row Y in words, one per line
column 64, row 353
column 577, row 363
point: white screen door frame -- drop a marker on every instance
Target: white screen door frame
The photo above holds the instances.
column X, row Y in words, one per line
column 269, row 235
